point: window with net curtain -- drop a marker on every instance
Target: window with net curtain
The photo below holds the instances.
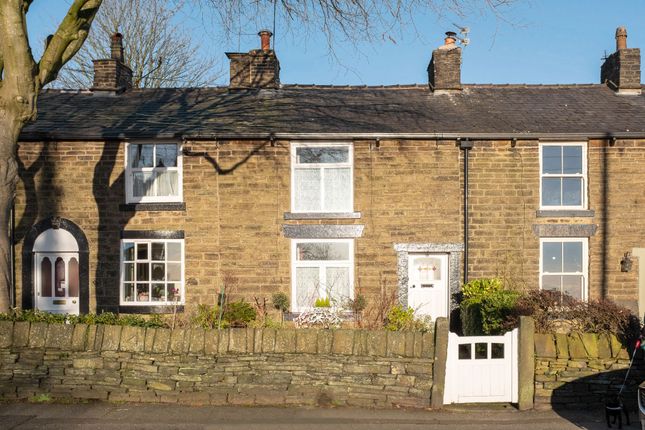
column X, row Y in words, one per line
column 153, row 173
column 322, row 269
column 322, row 178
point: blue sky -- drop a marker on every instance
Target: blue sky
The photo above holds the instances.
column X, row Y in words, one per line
column 536, row 41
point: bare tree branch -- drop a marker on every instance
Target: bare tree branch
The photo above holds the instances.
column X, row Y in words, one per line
column 345, row 21
column 158, row 48
column 67, row 39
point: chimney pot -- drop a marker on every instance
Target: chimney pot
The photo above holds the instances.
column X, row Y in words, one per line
column 116, row 47
column 621, row 38
column 451, row 38
column 265, row 40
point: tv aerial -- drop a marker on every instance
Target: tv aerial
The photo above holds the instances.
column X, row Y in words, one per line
column 464, row 40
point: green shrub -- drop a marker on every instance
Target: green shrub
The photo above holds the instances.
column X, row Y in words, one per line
column 486, row 307
column 106, row 318
column 481, row 287
column 401, row 318
column 205, row 316
column 239, row 314
column 322, row 303
column 33, row 316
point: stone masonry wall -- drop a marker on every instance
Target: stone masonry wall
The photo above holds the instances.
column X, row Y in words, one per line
column 236, row 195
column 237, row 366
column 578, row 370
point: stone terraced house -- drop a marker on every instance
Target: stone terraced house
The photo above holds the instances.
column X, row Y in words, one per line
column 150, row 200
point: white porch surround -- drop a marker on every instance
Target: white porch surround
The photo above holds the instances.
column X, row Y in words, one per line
column 453, row 250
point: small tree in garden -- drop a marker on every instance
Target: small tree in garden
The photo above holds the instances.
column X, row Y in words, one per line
column 280, row 302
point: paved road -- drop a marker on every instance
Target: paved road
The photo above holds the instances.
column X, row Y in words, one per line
column 160, row 417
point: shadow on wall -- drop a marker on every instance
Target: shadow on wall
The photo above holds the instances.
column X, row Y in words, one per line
column 113, row 214
column 41, row 197
column 112, row 220
column 582, row 399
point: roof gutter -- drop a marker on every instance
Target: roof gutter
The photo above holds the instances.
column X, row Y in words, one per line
column 46, row 136
column 418, row 136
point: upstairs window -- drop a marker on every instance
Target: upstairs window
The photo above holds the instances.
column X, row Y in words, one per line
column 153, row 173
column 322, row 178
column 563, row 266
column 563, row 176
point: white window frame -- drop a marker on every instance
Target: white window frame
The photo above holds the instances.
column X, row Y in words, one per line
column 149, row 302
column 582, row 175
column 321, row 265
column 322, row 166
column 129, row 175
column 585, row 261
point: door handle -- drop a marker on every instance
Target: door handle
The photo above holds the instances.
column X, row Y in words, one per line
column 413, row 286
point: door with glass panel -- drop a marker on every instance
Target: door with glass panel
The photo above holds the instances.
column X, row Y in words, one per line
column 57, row 282
column 428, row 284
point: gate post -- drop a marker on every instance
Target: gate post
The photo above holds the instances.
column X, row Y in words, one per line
column 439, row 365
column 526, row 365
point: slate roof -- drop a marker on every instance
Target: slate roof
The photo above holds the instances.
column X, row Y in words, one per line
column 478, row 110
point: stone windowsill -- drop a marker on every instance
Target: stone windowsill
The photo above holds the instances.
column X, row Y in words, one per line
column 321, row 215
column 565, row 213
column 152, row 207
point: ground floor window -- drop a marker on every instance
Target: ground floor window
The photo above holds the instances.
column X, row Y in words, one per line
column 564, row 266
column 322, row 269
column 152, row 272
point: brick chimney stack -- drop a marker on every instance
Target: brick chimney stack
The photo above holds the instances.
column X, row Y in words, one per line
column 621, row 71
column 113, row 74
column 259, row 68
column 444, row 70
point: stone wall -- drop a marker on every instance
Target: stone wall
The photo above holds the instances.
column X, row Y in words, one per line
column 237, row 197
column 577, row 370
column 196, row 366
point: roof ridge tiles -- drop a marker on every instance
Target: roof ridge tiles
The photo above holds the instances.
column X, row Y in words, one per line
column 353, row 87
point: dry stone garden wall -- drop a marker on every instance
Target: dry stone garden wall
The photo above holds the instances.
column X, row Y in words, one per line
column 196, row 366
column 579, row 369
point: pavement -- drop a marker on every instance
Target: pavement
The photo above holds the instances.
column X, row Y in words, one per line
column 165, row 416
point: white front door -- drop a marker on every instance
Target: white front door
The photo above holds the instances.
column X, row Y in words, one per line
column 428, row 284
column 57, row 282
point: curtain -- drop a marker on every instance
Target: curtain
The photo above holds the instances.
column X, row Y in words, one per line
column 337, row 189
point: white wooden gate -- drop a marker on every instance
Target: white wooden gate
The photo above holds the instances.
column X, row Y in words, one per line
column 482, row 369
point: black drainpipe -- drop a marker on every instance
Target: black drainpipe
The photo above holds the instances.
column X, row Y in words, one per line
column 466, row 146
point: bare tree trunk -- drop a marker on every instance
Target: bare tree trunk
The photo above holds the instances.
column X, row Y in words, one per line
column 20, row 81
column 8, row 182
